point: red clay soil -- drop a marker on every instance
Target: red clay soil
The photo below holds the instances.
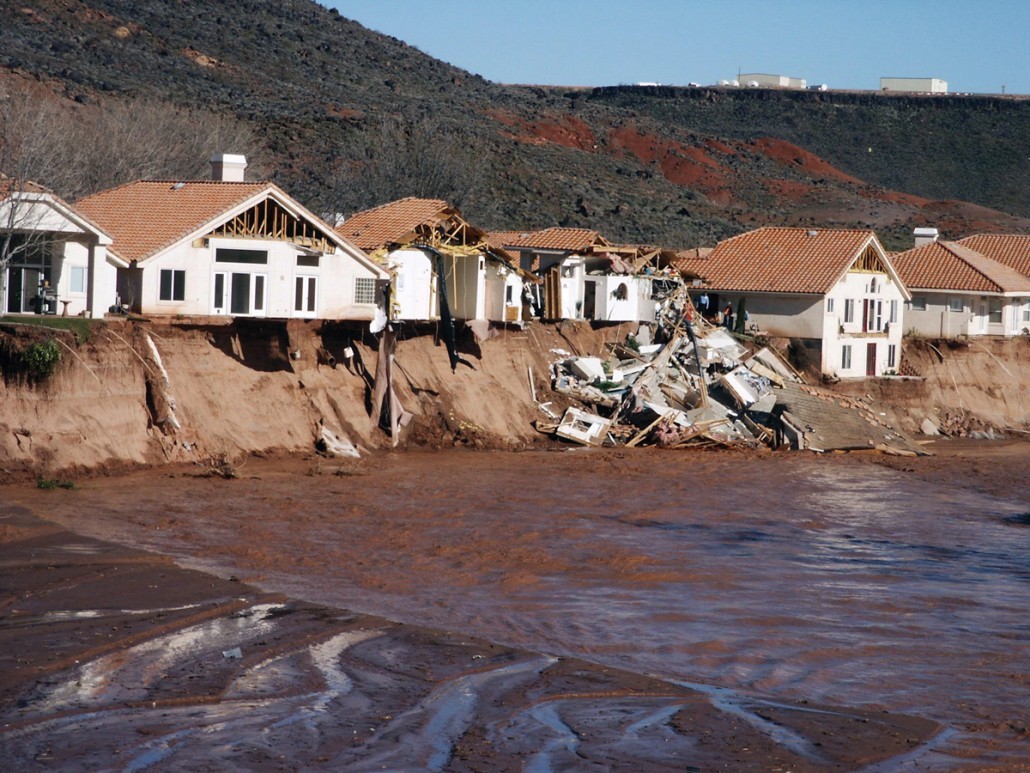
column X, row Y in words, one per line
column 789, row 154
column 680, row 164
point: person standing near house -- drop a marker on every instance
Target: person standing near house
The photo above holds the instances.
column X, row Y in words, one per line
column 702, row 304
column 727, row 316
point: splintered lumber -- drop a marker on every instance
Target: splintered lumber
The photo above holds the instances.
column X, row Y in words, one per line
column 698, row 430
column 643, row 433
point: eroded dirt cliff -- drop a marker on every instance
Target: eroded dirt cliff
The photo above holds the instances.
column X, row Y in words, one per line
column 148, row 393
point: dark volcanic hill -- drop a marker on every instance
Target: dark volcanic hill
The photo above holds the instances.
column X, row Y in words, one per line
column 346, row 118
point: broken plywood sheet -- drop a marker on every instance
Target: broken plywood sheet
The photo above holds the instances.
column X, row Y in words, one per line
column 773, row 362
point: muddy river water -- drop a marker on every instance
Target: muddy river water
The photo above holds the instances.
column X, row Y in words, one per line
column 848, row 583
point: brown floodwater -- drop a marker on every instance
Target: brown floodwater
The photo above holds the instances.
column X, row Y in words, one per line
column 797, row 578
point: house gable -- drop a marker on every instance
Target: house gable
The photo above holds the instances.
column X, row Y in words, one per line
column 269, row 219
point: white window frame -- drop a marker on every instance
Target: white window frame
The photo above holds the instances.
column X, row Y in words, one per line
column 257, row 293
column 894, row 312
column 872, row 315
column 845, row 357
column 892, row 355
column 305, row 295
column 77, row 280
column 952, row 302
column 849, row 310
column 994, row 311
column 364, row 287
column 216, row 306
column 173, row 274
column 829, row 305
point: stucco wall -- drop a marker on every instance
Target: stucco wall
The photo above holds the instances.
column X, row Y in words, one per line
column 335, row 275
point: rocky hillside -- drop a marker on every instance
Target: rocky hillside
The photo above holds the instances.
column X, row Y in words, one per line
column 337, row 111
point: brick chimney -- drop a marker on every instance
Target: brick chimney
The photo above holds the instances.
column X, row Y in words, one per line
column 925, row 236
column 228, row 167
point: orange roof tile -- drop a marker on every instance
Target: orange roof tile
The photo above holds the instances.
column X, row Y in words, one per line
column 690, row 263
column 782, row 260
column 147, row 216
column 505, row 238
column 953, row 266
column 392, row 223
column 1012, row 250
column 555, row 238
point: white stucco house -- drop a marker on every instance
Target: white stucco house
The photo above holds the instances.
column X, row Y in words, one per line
column 230, row 247
column 56, row 259
column 426, row 246
column 957, row 291
column 835, row 289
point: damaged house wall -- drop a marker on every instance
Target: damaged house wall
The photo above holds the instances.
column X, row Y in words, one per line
column 620, row 298
column 414, row 295
column 466, row 286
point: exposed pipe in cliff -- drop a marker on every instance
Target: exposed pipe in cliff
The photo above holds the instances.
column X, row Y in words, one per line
column 170, row 417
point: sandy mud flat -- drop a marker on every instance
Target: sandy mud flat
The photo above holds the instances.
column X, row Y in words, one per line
column 560, row 610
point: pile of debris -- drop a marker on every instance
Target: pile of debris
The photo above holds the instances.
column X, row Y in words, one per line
column 702, row 386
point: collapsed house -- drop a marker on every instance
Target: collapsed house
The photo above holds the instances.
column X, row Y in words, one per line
column 684, row 382
column 436, row 259
column 584, row 276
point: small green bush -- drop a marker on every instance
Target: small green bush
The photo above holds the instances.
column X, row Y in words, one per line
column 41, row 359
column 53, row 483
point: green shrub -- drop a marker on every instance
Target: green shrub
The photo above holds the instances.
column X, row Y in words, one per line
column 53, row 483
column 41, row 359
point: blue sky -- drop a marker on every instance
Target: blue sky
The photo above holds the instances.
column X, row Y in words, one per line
column 975, row 45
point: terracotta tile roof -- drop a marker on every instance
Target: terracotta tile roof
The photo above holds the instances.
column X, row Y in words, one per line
column 1012, row 250
column 392, row 223
column 555, row 238
column 505, row 238
column 147, row 216
column 782, row 260
column 953, row 266
column 691, row 262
